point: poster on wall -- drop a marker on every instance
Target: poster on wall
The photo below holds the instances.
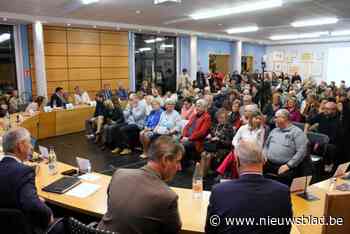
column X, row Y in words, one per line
column 278, row 56
column 306, row 57
column 278, row 67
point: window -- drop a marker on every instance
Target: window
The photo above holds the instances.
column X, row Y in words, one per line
column 8, row 76
column 155, row 61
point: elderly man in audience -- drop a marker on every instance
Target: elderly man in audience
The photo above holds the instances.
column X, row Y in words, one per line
column 330, row 124
column 135, row 115
column 17, row 183
column 252, row 196
column 106, row 91
column 154, row 207
column 285, row 149
column 212, row 109
column 14, row 102
column 80, row 96
column 196, row 131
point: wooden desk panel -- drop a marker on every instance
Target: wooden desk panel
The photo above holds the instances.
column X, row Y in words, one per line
column 47, row 125
column 70, row 121
column 31, row 124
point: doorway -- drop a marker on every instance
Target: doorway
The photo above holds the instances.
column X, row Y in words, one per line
column 247, row 64
column 219, row 63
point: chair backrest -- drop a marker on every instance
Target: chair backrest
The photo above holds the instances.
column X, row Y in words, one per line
column 13, row 221
column 76, row 227
column 317, row 138
column 299, row 125
column 337, row 206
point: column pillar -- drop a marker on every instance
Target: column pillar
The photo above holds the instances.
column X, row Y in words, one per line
column 237, row 56
column 39, row 58
column 193, row 57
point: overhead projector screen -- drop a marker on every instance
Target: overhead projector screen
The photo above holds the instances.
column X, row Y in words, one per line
column 338, row 66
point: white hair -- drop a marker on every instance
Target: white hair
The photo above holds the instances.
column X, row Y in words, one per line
column 12, row 137
column 249, row 152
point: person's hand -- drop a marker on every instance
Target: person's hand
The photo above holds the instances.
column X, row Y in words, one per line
column 184, row 139
column 284, row 168
column 42, row 199
column 215, row 139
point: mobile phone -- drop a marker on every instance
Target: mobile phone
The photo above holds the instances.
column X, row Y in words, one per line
column 70, row 172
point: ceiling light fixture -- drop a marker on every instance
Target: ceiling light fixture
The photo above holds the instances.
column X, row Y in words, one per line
column 158, row 39
column 242, row 29
column 314, row 22
column 299, row 36
column 138, row 12
column 239, row 9
column 340, row 33
column 94, row 26
column 5, row 37
column 87, row 2
column 166, row 1
column 68, row 25
column 4, row 19
column 145, row 49
column 163, row 46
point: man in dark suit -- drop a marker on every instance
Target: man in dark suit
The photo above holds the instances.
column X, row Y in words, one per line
column 251, row 202
column 58, row 99
column 139, row 200
column 106, row 92
column 17, row 181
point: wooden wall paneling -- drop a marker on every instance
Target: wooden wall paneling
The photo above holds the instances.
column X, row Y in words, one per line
column 114, row 50
column 88, row 85
column 55, row 36
column 55, row 49
column 32, row 61
column 114, row 61
column 83, row 36
column 84, row 74
column 115, row 73
column 83, row 62
column 110, row 38
column 56, row 74
column 55, row 62
column 83, row 49
column 52, row 85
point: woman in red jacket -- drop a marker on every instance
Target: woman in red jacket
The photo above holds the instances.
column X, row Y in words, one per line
column 196, row 131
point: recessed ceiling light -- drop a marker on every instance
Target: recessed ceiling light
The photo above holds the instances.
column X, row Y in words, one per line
column 340, row 33
column 140, row 30
column 138, row 12
column 68, row 25
column 314, row 22
column 242, row 29
column 239, row 9
column 86, row 2
column 94, row 26
column 299, row 36
column 166, row 1
column 4, row 19
column 219, row 25
column 118, row 28
column 5, row 37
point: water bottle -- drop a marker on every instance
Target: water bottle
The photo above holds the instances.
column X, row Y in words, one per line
column 7, row 121
column 52, row 164
column 197, row 182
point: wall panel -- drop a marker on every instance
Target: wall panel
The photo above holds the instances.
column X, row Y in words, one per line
column 115, row 73
column 83, row 49
column 108, row 38
column 55, row 36
column 56, row 74
column 55, row 62
column 55, row 49
column 114, row 50
column 83, row 62
column 114, row 62
column 83, row 36
column 84, row 74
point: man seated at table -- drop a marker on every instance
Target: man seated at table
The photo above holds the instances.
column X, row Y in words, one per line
column 80, row 96
column 139, row 200
column 285, row 148
column 250, row 197
column 94, row 125
column 58, row 99
column 17, row 181
column 14, row 102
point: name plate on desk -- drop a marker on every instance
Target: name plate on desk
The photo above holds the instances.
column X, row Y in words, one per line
column 92, row 103
column 69, row 106
column 47, row 109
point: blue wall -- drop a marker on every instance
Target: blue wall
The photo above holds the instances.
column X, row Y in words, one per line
column 185, row 51
column 207, row 46
column 255, row 50
column 25, row 52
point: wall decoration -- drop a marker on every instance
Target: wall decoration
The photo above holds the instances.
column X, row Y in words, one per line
column 307, row 57
column 278, row 56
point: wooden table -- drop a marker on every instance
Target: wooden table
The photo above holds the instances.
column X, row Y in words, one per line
column 192, row 211
column 59, row 122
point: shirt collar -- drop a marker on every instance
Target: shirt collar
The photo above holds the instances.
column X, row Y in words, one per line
column 151, row 171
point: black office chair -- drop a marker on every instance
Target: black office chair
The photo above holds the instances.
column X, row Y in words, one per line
column 317, row 160
column 74, row 226
column 13, row 221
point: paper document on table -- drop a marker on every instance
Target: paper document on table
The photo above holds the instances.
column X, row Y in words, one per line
column 83, row 164
column 44, row 152
column 89, row 177
column 299, row 183
column 83, row 190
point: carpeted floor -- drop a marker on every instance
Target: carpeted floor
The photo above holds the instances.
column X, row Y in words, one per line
column 69, row 147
